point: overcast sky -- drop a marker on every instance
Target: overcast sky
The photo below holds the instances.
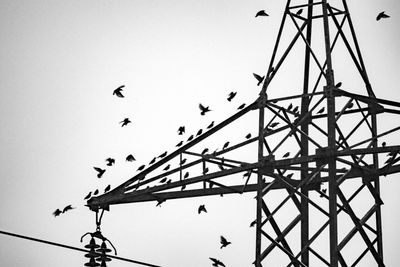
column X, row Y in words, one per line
column 60, row 62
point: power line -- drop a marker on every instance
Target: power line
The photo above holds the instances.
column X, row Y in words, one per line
column 74, row 248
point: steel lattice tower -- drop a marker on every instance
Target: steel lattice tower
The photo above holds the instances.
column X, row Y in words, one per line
column 325, row 152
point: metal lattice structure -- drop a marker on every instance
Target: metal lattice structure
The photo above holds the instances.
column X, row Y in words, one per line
column 336, row 153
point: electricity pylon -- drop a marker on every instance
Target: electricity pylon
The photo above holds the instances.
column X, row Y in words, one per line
column 321, row 148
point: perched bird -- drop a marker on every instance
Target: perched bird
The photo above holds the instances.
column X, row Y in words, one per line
column 350, row 105
column 125, row 122
column 259, row 78
column 179, row 144
column 224, row 242
column 163, row 154
column 323, row 191
column 248, row 136
column 107, row 188
column 130, row 158
column 261, row 13
column 167, row 167
column 205, row 150
column 216, row 262
column 57, row 212
column 201, row 208
column 274, row 124
column 110, row 161
column 181, row 130
column 67, row 208
column 211, row 125
column 141, row 167
column 383, row 144
column 183, row 187
column 163, row 180
column 199, row 132
column 286, row 155
column 338, row 85
column 159, row 202
column 221, row 167
column 289, row 176
column 153, row 160
column 205, row 170
column 88, row 196
column 241, row 106
column 203, row 109
column 95, row 192
column 100, row 171
column 225, row 145
column 382, row 15
column 290, row 106
column 321, row 110
column 231, row 96
column 168, row 181
column 299, row 11
column 190, row 138
column 296, row 109
column 183, row 161
column 253, row 223
column 118, row 91
column 186, row 175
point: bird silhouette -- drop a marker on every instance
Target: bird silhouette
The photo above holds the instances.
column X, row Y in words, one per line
column 350, row 105
column 289, row 176
column 205, row 150
column 261, row 13
column 179, row 144
column 107, row 188
column 160, row 201
column 141, row 167
column 290, row 106
column 153, row 160
column 211, row 125
column 181, row 130
column 88, row 195
column 253, row 223
column 286, row 155
column 321, row 110
column 163, row 180
column 199, row 132
column 241, row 106
column 186, row 175
column 299, row 11
column 217, row 262
column 163, row 154
column 296, row 109
column 224, row 242
column 338, row 85
column 118, row 91
column 274, row 124
column 383, row 144
column 125, row 122
column 247, row 174
column 202, row 208
column 100, row 171
column 130, row 158
column 225, row 145
column 183, row 161
column 382, row 15
column 57, row 212
column 183, row 187
column 190, row 138
column 95, row 192
column 110, row 161
column 166, row 168
column 248, row 136
column 204, row 109
column 67, row 208
column 259, row 78
column 323, row 191
column 231, row 96
column 205, row 170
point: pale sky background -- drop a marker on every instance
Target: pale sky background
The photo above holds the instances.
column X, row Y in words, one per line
column 60, row 62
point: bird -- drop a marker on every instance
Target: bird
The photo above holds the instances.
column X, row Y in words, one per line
column 186, row 175
column 286, row 155
column 159, row 201
column 382, row 15
column 153, row 160
column 211, row 125
column 95, row 192
column 261, row 13
column 248, row 136
column 125, row 122
column 241, row 106
column 259, row 78
column 205, row 170
column 201, row 208
column 107, row 188
column 181, row 130
column 199, row 132
column 289, row 176
column 274, row 124
column 163, row 154
column 290, row 106
column 299, row 11
column 163, row 180
column 247, row 174
column 224, row 242
column 183, row 161
column 323, row 191
column 338, row 85
column 205, row 150
column 296, row 109
column 100, row 171
column 350, row 105
column 118, row 91
column 216, row 262
column 57, row 212
column 88, row 195
column 203, row 109
column 130, row 158
column 67, row 208
column 253, row 223
column 183, row 187
column 190, row 138
column 225, row 145
column 167, row 167
column 321, row 110
column 179, row 144
column 141, row 167
column 110, row 161
column 383, row 144
column 231, row 96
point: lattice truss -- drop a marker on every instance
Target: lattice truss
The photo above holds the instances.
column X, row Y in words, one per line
column 320, row 147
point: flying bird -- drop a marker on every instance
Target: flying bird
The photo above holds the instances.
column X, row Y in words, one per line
column 211, row 125
column 67, row 208
column 204, row 109
column 231, row 96
column 225, row 145
column 224, row 242
column 100, row 171
column 181, row 130
column 57, row 212
column 88, row 196
column 321, row 110
column 125, row 122
column 217, row 263
column 241, row 106
column 118, row 91
column 163, row 154
column 179, row 144
column 261, row 13
column 130, row 158
column 202, row 208
column 141, row 167
column 190, row 138
column 153, row 160
column 107, row 188
column 248, row 136
column 199, row 132
column 382, row 15
column 259, row 78
column 110, row 161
